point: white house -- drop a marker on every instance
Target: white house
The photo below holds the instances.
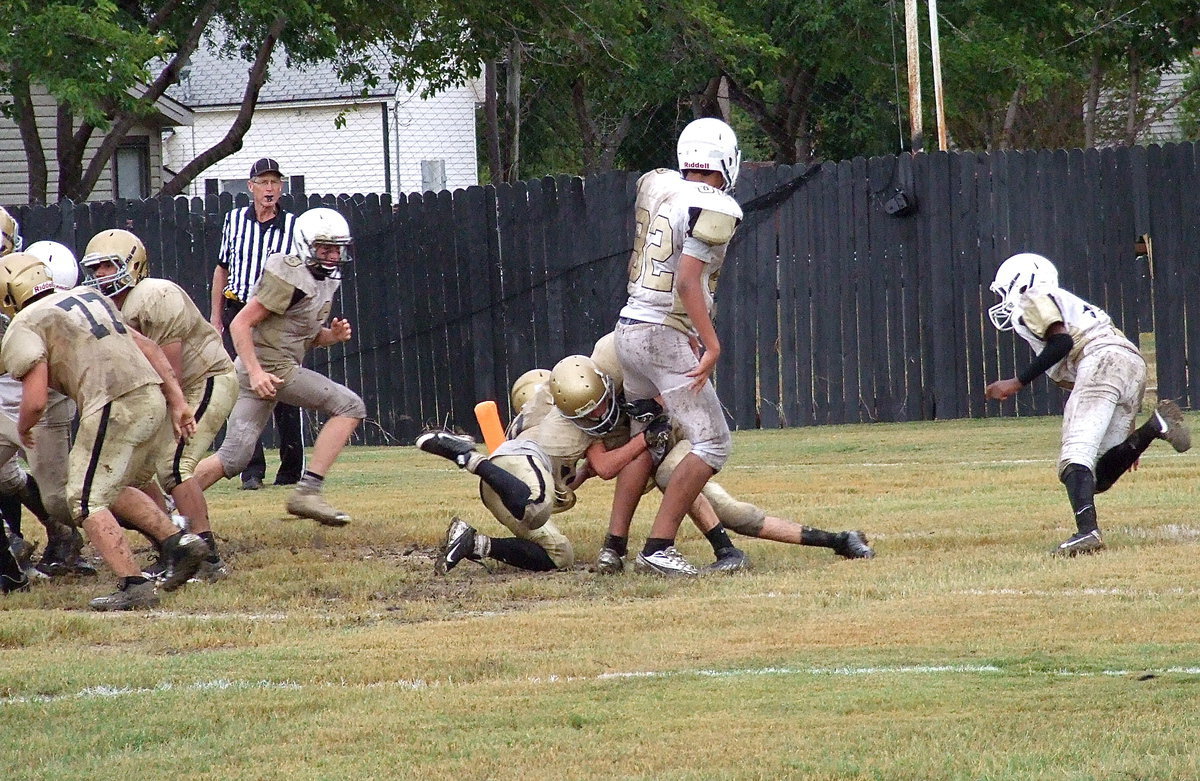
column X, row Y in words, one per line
column 391, row 140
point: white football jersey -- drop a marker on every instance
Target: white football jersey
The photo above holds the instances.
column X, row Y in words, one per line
column 1089, row 326
column 676, row 217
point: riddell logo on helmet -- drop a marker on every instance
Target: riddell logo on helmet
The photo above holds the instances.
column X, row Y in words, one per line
column 704, row 166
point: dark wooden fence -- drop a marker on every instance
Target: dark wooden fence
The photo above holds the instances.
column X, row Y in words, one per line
column 830, row 308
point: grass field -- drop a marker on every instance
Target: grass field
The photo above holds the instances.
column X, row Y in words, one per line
column 962, row 651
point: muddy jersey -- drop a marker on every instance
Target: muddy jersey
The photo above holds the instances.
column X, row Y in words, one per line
column 299, row 304
column 85, row 343
column 543, row 427
column 1089, row 326
column 675, row 217
column 165, row 314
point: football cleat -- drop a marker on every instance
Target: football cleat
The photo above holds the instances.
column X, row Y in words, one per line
column 128, row 598
column 729, row 560
column 62, row 556
column 1079, row 543
column 211, row 571
column 184, row 552
column 609, row 562
column 852, row 545
column 1172, row 426
column 450, row 446
column 459, row 544
column 312, row 505
column 667, row 562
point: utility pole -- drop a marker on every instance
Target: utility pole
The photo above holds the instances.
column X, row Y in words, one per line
column 912, row 46
column 939, row 97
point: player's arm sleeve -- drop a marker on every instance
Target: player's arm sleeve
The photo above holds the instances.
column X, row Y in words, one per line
column 274, row 293
column 1058, row 345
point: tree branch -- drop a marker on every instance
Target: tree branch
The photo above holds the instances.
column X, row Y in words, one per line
column 126, row 119
column 30, row 138
column 232, row 141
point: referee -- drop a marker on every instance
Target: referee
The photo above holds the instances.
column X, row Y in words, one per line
column 249, row 236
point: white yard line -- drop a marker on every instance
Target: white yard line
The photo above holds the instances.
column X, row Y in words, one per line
column 108, row 692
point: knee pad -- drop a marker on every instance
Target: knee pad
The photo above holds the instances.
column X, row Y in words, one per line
column 663, row 474
column 12, row 477
column 741, row 517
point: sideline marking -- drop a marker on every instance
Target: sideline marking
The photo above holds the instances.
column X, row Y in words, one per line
column 108, row 692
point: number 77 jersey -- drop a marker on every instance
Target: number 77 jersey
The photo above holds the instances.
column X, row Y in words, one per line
column 85, row 343
column 675, row 217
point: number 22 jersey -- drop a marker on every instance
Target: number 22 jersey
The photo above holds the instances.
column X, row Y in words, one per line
column 676, row 217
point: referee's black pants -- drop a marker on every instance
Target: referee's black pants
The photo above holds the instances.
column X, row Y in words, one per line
column 287, row 425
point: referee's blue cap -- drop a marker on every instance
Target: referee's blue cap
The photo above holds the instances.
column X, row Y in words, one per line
column 267, row 165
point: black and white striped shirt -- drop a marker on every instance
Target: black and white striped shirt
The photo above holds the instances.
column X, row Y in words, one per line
column 246, row 244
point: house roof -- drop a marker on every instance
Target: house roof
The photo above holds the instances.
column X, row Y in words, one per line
column 170, row 111
column 220, row 80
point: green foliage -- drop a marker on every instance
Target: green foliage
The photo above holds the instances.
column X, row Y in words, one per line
column 89, row 54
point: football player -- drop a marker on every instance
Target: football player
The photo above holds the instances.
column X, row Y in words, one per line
column 684, row 222
column 1079, row 348
column 55, row 340
column 573, row 419
column 714, row 510
column 284, row 318
column 43, row 491
column 116, row 264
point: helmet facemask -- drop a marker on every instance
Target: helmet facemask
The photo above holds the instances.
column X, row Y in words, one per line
column 329, row 269
column 1020, row 274
column 10, row 234
column 124, row 251
column 584, row 395
column 319, row 228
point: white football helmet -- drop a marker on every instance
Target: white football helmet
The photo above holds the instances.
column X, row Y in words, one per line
column 1022, row 273
column 710, row 145
column 322, row 226
column 10, row 233
column 64, row 268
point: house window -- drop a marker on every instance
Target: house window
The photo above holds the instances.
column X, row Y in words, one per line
column 131, row 168
column 235, row 186
column 433, row 175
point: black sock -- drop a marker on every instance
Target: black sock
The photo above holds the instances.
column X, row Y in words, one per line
column 617, row 543
column 513, row 492
column 31, row 497
column 718, row 538
column 1081, row 491
column 655, row 544
column 211, row 539
column 132, row 580
column 10, row 508
column 817, row 538
column 521, row 553
column 1119, row 458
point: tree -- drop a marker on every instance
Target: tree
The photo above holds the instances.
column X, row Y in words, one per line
column 99, row 92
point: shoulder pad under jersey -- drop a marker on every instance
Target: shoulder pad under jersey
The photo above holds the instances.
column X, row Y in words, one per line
column 708, row 198
column 291, row 269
